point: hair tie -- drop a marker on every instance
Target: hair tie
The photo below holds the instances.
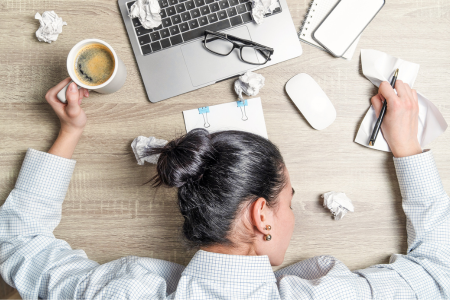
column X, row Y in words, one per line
column 143, row 145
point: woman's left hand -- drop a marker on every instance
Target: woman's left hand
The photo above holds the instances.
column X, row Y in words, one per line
column 72, row 117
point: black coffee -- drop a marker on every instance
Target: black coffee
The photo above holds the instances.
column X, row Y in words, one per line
column 94, row 64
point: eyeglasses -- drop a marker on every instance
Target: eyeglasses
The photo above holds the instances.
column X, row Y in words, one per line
column 223, row 44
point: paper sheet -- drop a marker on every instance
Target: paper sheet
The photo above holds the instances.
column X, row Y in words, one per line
column 262, row 7
column 377, row 67
column 148, row 12
column 250, row 83
column 229, row 116
column 50, row 26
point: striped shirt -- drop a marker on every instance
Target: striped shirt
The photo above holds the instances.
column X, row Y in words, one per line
column 42, row 266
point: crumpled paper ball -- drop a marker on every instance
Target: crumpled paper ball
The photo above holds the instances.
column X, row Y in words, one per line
column 250, row 83
column 148, row 12
column 338, row 203
column 50, row 26
column 262, row 7
column 142, row 145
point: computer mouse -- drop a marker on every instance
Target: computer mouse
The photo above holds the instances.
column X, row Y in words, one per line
column 311, row 100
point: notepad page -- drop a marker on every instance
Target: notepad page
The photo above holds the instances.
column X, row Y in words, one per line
column 317, row 12
column 229, row 116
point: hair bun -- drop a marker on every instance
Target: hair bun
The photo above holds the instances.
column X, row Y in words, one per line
column 184, row 159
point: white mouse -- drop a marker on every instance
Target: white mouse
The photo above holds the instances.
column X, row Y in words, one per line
column 311, row 100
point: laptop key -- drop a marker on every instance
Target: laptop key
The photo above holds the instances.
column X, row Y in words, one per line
column 173, row 2
column 176, row 19
column 184, row 27
column 185, row 16
column 209, row 1
column 145, row 39
column 246, row 17
column 146, row 49
column 136, row 22
column 164, row 33
column 155, row 36
column 174, row 30
column 176, row 39
column 155, row 46
column 163, row 3
column 224, row 24
column 249, row 6
column 243, row 1
column 277, row 10
column 231, row 12
column 141, row 30
column 190, row 5
column 171, row 11
column 205, row 10
column 203, row 21
column 158, row 28
column 130, row 4
column 163, row 13
column 180, row 8
column 241, row 9
column 224, row 4
column 233, row 2
column 195, row 13
column 214, row 7
column 212, row 18
column 165, row 43
column 222, row 15
column 166, row 22
column 199, row 3
column 193, row 24
column 236, row 20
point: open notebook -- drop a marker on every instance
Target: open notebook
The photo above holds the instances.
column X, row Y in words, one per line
column 317, row 12
column 244, row 116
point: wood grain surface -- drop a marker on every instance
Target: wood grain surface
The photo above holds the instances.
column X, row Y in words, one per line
column 109, row 213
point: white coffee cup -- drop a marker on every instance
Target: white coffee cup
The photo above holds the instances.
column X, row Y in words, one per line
column 113, row 84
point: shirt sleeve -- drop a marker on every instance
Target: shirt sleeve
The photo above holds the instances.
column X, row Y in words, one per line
column 41, row 266
column 422, row 273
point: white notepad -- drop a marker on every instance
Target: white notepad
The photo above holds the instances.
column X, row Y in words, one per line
column 244, row 116
column 317, row 12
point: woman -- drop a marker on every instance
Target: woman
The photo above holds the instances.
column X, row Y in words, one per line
column 234, row 193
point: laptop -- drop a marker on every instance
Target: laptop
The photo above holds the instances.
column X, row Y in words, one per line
column 172, row 59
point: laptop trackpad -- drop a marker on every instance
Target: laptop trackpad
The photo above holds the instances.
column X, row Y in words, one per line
column 205, row 67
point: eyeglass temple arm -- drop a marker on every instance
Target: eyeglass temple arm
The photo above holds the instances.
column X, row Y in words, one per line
column 235, row 38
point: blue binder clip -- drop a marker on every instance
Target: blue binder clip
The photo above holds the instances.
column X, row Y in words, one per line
column 242, row 104
column 204, row 112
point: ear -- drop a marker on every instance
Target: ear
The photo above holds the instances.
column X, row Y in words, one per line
column 261, row 215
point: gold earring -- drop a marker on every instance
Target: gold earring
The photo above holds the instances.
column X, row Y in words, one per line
column 267, row 237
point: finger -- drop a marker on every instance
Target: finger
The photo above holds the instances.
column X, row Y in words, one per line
column 400, row 87
column 409, row 92
column 387, row 92
column 415, row 97
column 377, row 103
column 80, row 93
column 72, row 96
column 54, row 90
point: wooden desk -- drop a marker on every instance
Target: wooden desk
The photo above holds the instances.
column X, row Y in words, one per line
column 110, row 214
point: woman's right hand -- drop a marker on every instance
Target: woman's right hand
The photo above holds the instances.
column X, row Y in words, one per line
column 400, row 123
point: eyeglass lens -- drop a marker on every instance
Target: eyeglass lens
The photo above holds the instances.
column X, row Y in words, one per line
column 249, row 54
column 218, row 45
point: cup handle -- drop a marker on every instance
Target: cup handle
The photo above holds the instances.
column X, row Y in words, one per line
column 62, row 93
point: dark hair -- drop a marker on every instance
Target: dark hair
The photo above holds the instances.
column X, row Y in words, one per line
column 215, row 174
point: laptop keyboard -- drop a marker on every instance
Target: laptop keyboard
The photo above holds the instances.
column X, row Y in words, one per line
column 185, row 20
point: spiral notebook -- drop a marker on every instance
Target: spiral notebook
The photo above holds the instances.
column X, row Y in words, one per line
column 244, row 115
column 317, row 12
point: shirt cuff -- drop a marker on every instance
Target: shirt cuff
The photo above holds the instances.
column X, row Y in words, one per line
column 418, row 176
column 45, row 174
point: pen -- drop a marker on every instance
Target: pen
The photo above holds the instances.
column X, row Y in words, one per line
column 377, row 126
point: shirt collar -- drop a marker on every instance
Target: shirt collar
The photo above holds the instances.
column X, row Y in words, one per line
column 234, row 268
